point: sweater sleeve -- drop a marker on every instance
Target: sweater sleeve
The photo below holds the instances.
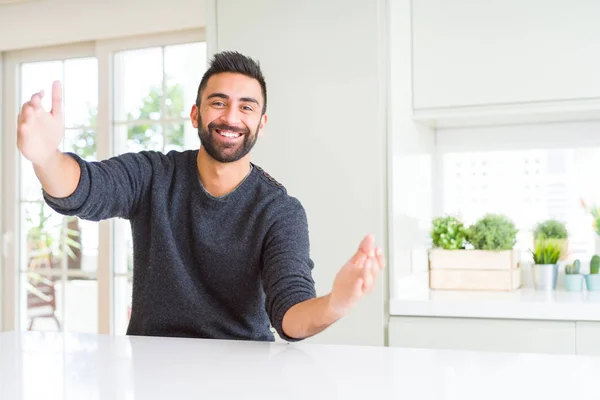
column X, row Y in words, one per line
column 106, row 189
column 287, row 266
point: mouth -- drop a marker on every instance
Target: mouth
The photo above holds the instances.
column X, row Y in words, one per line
column 228, row 134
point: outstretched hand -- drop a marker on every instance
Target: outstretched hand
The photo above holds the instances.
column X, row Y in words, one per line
column 358, row 277
column 39, row 132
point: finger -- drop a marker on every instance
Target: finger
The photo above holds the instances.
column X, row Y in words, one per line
column 36, row 99
column 26, row 112
column 365, row 247
column 374, row 274
column 367, row 274
column 380, row 258
column 56, row 98
column 359, row 260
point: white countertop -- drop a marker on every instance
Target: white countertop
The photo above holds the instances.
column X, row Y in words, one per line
column 415, row 299
column 55, row 366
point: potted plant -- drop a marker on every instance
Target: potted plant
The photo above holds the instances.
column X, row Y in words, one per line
column 592, row 280
column 448, row 233
column 494, row 232
column 555, row 231
column 479, row 257
column 545, row 265
column 573, row 279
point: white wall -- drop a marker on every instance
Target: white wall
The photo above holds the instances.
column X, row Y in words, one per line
column 326, row 135
column 51, row 22
column 413, row 163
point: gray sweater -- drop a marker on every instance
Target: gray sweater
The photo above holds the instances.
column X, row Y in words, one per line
column 204, row 267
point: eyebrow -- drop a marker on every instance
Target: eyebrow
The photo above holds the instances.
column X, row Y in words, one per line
column 225, row 97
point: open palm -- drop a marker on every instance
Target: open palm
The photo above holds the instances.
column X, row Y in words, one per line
column 358, row 277
column 39, row 132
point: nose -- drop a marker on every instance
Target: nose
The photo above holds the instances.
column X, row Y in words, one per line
column 231, row 116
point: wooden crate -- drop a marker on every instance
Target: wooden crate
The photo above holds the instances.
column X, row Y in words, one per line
column 473, row 259
column 491, row 280
column 474, row 270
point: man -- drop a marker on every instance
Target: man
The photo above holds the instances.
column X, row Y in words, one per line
column 220, row 249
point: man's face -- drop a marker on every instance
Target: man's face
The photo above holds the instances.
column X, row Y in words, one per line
column 229, row 119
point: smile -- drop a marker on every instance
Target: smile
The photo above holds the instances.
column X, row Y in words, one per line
column 228, row 134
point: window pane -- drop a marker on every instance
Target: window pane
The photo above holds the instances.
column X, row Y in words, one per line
column 38, row 76
column 41, row 237
column 82, row 142
column 31, row 189
column 40, row 302
column 184, row 66
column 181, row 137
column 528, row 186
column 138, row 137
column 137, row 83
column 80, row 89
column 81, row 305
column 123, row 247
column 122, row 312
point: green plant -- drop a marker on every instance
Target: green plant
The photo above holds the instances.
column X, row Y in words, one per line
column 545, row 253
column 550, row 229
column 573, row 269
column 493, row 232
column 448, row 233
column 46, row 239
column 595, row 264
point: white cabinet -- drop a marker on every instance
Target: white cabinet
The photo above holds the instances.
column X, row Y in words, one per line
column 503, row 335
column 588, row 338
column 504, row 52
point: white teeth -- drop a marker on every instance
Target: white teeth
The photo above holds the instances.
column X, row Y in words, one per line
column 229, row 134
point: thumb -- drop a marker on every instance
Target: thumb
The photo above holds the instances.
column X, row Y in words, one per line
column 366, row 246
column 56, row 98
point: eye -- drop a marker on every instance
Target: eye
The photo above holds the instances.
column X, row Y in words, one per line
column 247, row 108
column 218, row 104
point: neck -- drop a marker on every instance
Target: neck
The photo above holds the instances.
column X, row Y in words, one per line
column 218, row 178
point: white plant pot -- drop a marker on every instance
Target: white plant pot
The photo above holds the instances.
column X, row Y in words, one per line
column 545, row 276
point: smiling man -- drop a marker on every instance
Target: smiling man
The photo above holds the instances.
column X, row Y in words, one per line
column 220, row 248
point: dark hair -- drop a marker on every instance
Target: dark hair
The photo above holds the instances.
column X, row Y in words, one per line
column 232, row 61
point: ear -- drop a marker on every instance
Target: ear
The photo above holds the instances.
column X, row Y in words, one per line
column 263, row 122
column 194, row 116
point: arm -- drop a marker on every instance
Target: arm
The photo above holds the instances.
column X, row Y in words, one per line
column 59, row 175
column 72, row 186
column 106, row 189
column 295, row 311
column 355, row 280
column 287, row 265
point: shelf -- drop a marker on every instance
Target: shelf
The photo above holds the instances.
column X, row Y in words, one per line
column 525, row 303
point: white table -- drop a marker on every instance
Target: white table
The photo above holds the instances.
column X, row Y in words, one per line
column 55, row 366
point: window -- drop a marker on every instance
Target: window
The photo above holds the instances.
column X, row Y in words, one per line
column 58, row 255
column 121, row 95
column 528, row 186
column 154, row 90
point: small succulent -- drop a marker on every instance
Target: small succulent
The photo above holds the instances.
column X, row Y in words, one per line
column 573, row 269
column 448, row 233
column 595, row 264
column 545, row 252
